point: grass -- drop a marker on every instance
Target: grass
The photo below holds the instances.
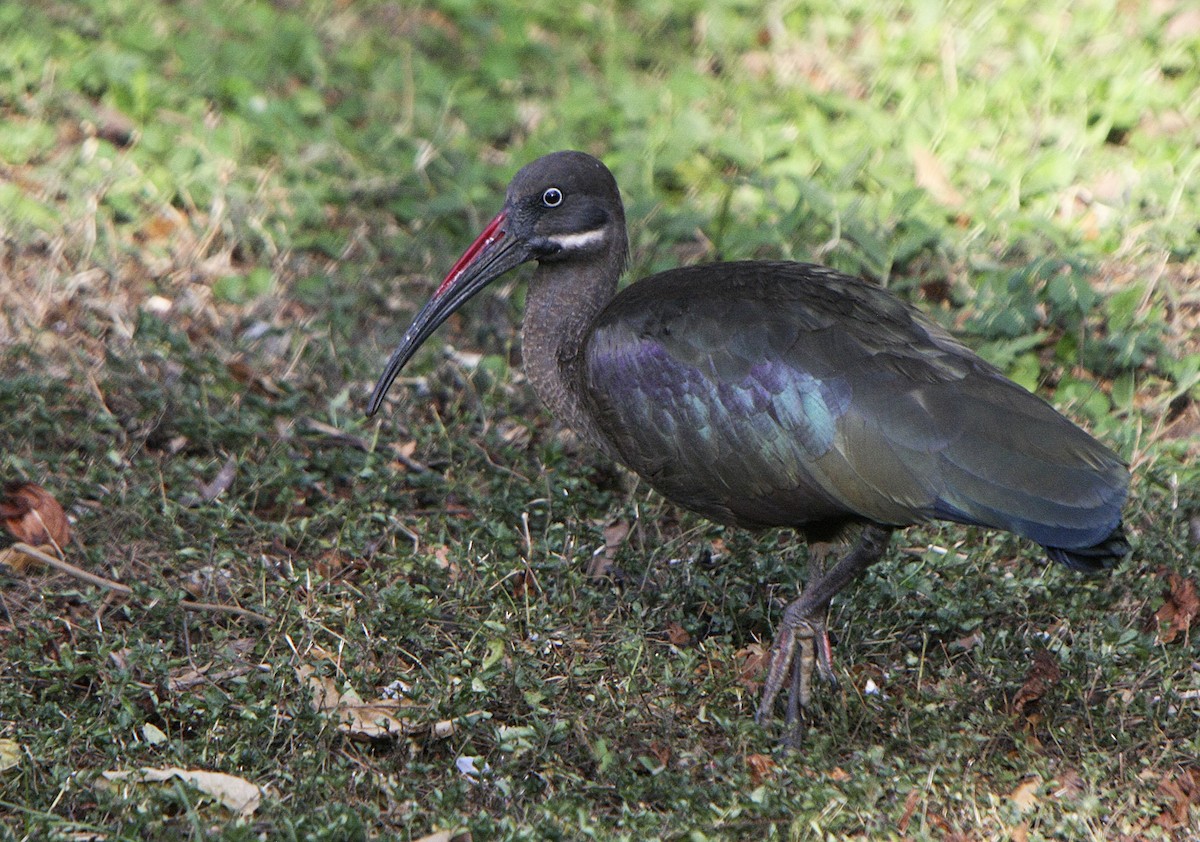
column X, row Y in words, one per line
column 217, row 217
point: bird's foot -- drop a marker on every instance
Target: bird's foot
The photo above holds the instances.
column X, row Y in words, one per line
column 801, row 646
column 803, row 626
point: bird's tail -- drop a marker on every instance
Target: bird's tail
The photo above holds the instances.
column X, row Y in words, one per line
column 1096, row 558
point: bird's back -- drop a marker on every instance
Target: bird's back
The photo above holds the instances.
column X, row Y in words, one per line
column 786, row 394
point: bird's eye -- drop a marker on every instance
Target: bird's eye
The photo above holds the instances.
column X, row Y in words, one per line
column 552, row 198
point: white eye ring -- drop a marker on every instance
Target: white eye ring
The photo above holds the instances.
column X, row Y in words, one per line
column 552, row 198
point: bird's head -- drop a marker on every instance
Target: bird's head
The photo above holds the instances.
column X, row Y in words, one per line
column 562, row 207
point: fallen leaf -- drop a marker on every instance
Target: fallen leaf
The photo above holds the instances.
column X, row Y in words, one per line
column 1024, row 797
column 32, row 515
column 753, row 662
column 969, row 642
column 1043, row 674
column 236, row 794
column 678, row 635
column 661, row 752
column 1180, row 608
column 839, row 774
column 1181, row 789
column 910, row 807
column 255, row 380
column 601, row 564
column 153, row 734
column 404, row 456
column 525, row 584
column 335, row 564
column 931, row 177
column 356, row 718
column 10, row 754
column 441, row 555
column 760, row 766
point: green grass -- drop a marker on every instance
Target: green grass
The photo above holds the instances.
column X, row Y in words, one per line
column 218, row 216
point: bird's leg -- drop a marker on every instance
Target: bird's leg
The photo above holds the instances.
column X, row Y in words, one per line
column 804, row 625
column 821, row 650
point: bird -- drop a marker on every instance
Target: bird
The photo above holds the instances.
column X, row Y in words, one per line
column 766, row 394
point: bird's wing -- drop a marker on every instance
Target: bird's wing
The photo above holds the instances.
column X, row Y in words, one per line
column 788, row 394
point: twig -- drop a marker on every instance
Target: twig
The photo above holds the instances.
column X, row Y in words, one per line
column 67, row 567
column 101, row 582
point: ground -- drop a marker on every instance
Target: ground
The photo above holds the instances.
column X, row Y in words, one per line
column 455, row 619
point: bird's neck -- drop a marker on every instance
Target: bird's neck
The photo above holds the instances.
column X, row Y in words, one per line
column 563, row 301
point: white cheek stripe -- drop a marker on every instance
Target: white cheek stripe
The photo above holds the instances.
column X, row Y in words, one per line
column 582, row 239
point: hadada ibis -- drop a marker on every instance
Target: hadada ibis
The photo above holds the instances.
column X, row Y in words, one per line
column 776, row 394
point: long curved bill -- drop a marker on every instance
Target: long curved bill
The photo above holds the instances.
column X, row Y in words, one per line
column 492, row 254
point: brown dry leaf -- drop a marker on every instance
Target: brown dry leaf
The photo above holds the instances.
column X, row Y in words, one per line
column 910, row 807
column 753, row 662
column 236, row 794
column 335, row 564
column 255, row 380
column 969, row 642
column 1181, row 606
column 525, row 584
column 761, row 767
column 161, row 227
column 1043, row 674
column 404, row 457
column 356, row 718
column 938, row 821
column 839, row 774
column 931, row 177
column 441, row 556
column 1181, row 789
column 678, row 635
column 1025, row 796
column 661, row 752
column 601, row 564
column 32, row 515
